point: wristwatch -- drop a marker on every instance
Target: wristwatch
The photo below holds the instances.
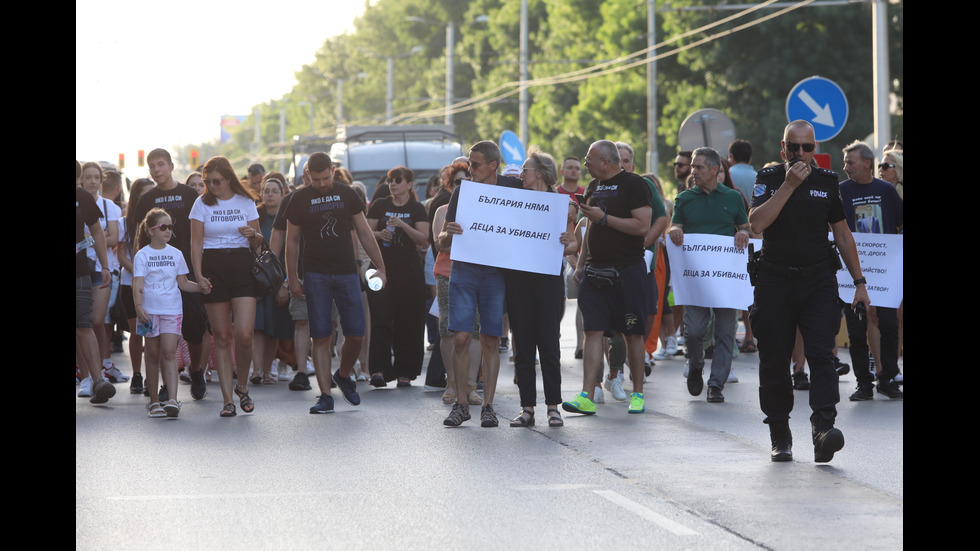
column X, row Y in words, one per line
column 860, row 281
column 602, row 221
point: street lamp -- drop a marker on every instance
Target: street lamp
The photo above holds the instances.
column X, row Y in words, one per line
column 450, row 48
column 389, row 96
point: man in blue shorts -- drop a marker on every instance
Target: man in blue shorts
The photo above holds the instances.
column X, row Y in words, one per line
column 325, row 215
column 475, row 287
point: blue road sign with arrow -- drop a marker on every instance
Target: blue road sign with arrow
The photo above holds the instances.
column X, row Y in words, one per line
column 511, row 148
column 822, row 103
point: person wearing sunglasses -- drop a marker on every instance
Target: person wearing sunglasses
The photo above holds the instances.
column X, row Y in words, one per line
column 871, row 205
column 474, row 287
column 224, row 227
column 400, row 226
column 682, row 169
column 796, row 286
column 890, row 169
column 178, row 199
column 536, row 303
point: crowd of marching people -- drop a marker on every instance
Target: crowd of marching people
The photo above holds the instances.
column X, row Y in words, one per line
column 171, row 268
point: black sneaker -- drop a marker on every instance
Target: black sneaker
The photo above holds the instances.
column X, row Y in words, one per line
column 891, row 390
column 862, row 393
column 136, row 384
column 163, row 395
column 714, row 395
column 348, row 388
column 199, row 388
column 695, row 381
column 456, row 417
column 841, row 367
column 578, row 354
column 801, row 381
column 324, row 404
column 300, row 382
column 503, row 344
column 102, row 390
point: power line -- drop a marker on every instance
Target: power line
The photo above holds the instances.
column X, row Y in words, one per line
column 608, row 67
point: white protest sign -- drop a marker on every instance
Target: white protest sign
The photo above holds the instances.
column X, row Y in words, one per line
column 510, row 228
column 707, row 270
column 882, row 261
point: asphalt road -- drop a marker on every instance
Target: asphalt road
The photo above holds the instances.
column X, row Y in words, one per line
column 684, row 475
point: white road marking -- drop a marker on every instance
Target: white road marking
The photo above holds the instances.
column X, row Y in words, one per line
column 646, row 513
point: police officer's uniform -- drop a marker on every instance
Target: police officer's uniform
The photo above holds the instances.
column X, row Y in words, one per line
column 796, row 286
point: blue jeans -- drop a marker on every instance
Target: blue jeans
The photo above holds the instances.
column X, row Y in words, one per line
column 472, row 287
column 345, row 290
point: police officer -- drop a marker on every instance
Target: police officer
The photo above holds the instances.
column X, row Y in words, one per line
column 796, row 286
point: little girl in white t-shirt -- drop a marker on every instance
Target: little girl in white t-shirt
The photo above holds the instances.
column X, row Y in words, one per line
column 159, row 274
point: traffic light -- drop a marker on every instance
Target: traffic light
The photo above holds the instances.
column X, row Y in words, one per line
column 194, row 159
column 122, row 161
column 140, row 158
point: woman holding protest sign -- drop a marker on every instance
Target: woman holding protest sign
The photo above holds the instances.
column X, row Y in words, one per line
column 535, row 302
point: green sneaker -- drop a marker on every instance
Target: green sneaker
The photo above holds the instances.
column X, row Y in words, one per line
column 580, row 404
column 636, row 403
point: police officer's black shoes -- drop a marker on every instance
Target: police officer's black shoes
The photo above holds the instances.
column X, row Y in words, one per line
column 782, row 441
column 827, row 439
column 695, row 381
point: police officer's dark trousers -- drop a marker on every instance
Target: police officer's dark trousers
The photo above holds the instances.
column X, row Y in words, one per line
column 783, row 303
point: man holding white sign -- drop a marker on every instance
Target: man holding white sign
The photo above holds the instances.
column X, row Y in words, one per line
column 475, row 287
column 867, row 198
column 713, row 209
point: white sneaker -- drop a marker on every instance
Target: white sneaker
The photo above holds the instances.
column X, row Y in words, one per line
column 361, row 375
column 275, row 369
column 85, row 388
column 732, row 377
column 687, row 369
column 671, row 347
column 678, row 341
column 309, row 368
column 284, row 375
column 113, row 375
column 599, row 397
column 660, row 354
column 616, row 387
column 898, row 378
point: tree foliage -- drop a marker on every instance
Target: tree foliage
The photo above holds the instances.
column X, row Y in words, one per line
column 746, row 74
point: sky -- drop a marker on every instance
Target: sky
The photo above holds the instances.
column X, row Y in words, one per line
column 151, row 74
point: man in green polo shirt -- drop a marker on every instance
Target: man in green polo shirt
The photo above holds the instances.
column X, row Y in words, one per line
column 708, row 207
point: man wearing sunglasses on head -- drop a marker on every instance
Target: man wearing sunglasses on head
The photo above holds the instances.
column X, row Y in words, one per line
column 795, row 279
column 475, row 288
